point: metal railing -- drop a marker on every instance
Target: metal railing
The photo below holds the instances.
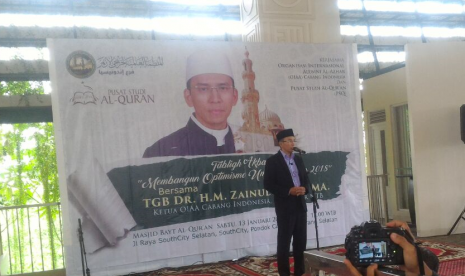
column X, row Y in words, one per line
column 377, row 197
column 31, row 238
column 405, row 196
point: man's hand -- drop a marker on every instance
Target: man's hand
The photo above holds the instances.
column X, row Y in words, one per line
column 410, row 252
column 371, row 270
column 403, row 224
column 297, row 191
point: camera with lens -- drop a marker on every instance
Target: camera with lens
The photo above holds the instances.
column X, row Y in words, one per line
column 371, row 243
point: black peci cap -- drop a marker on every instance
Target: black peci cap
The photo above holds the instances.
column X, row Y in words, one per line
column 284, row 133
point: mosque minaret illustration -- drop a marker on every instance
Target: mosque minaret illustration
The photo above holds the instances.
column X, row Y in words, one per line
column 258, row 131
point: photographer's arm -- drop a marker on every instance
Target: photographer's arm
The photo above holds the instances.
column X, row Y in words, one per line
column 371, row 270
column 410, row 256
column 403, row 224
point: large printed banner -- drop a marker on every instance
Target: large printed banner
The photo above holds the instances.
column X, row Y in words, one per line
column 162, row 147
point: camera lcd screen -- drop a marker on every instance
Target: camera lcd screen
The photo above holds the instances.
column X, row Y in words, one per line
column 372, row 250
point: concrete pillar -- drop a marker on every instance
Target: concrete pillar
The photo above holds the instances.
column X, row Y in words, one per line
column 300, row 21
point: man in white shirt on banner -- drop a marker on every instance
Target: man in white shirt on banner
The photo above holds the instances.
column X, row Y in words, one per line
column 210, row 91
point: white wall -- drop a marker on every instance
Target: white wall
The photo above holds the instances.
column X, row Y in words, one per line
column 436, row 90
column 381, row 93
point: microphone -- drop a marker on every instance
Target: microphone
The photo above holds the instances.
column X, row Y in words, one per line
column 299, row 150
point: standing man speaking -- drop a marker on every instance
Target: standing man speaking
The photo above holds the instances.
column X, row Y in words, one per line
column 285, row 177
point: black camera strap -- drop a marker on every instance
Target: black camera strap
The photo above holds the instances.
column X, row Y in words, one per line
column 421, row 264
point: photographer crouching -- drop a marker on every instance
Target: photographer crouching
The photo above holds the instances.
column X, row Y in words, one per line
column 370, row 245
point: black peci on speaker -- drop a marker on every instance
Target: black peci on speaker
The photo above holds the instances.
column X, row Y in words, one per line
column 462, row 122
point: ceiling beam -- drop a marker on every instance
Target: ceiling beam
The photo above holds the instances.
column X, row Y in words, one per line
column 381, row 71
column 18, row 109
column 401, row 19
column 122, row 8
column 380, row 48
column 24, row 70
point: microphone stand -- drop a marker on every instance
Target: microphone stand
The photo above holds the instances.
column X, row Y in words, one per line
column 314, row 203
column 315, row 207
column 85, row 268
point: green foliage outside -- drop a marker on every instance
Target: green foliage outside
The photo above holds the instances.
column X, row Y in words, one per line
column 31, row 237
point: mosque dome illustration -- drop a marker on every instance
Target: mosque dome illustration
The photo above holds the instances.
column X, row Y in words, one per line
column 270, row 120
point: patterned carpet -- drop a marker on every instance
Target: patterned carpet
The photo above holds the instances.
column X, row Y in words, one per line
column 451, row 257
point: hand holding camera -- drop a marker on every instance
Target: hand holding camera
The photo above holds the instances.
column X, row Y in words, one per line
column 397, row 249
column 371, row 243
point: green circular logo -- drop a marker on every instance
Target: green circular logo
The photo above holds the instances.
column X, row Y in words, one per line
column 80, row 64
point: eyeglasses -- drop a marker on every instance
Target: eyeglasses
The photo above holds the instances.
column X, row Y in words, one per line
column 220, row 89
column 289, row 141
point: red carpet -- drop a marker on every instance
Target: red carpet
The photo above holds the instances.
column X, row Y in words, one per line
column 451, row 257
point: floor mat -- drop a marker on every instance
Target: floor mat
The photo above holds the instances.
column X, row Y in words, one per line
column 451, row 258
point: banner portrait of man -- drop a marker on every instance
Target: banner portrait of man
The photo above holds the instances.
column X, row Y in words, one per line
column 210, row 91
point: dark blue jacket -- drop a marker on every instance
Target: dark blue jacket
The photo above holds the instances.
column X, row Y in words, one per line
column 278, row 181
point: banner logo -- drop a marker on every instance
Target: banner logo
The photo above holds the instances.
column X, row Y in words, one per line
column 84, row 97
column 80, row 64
